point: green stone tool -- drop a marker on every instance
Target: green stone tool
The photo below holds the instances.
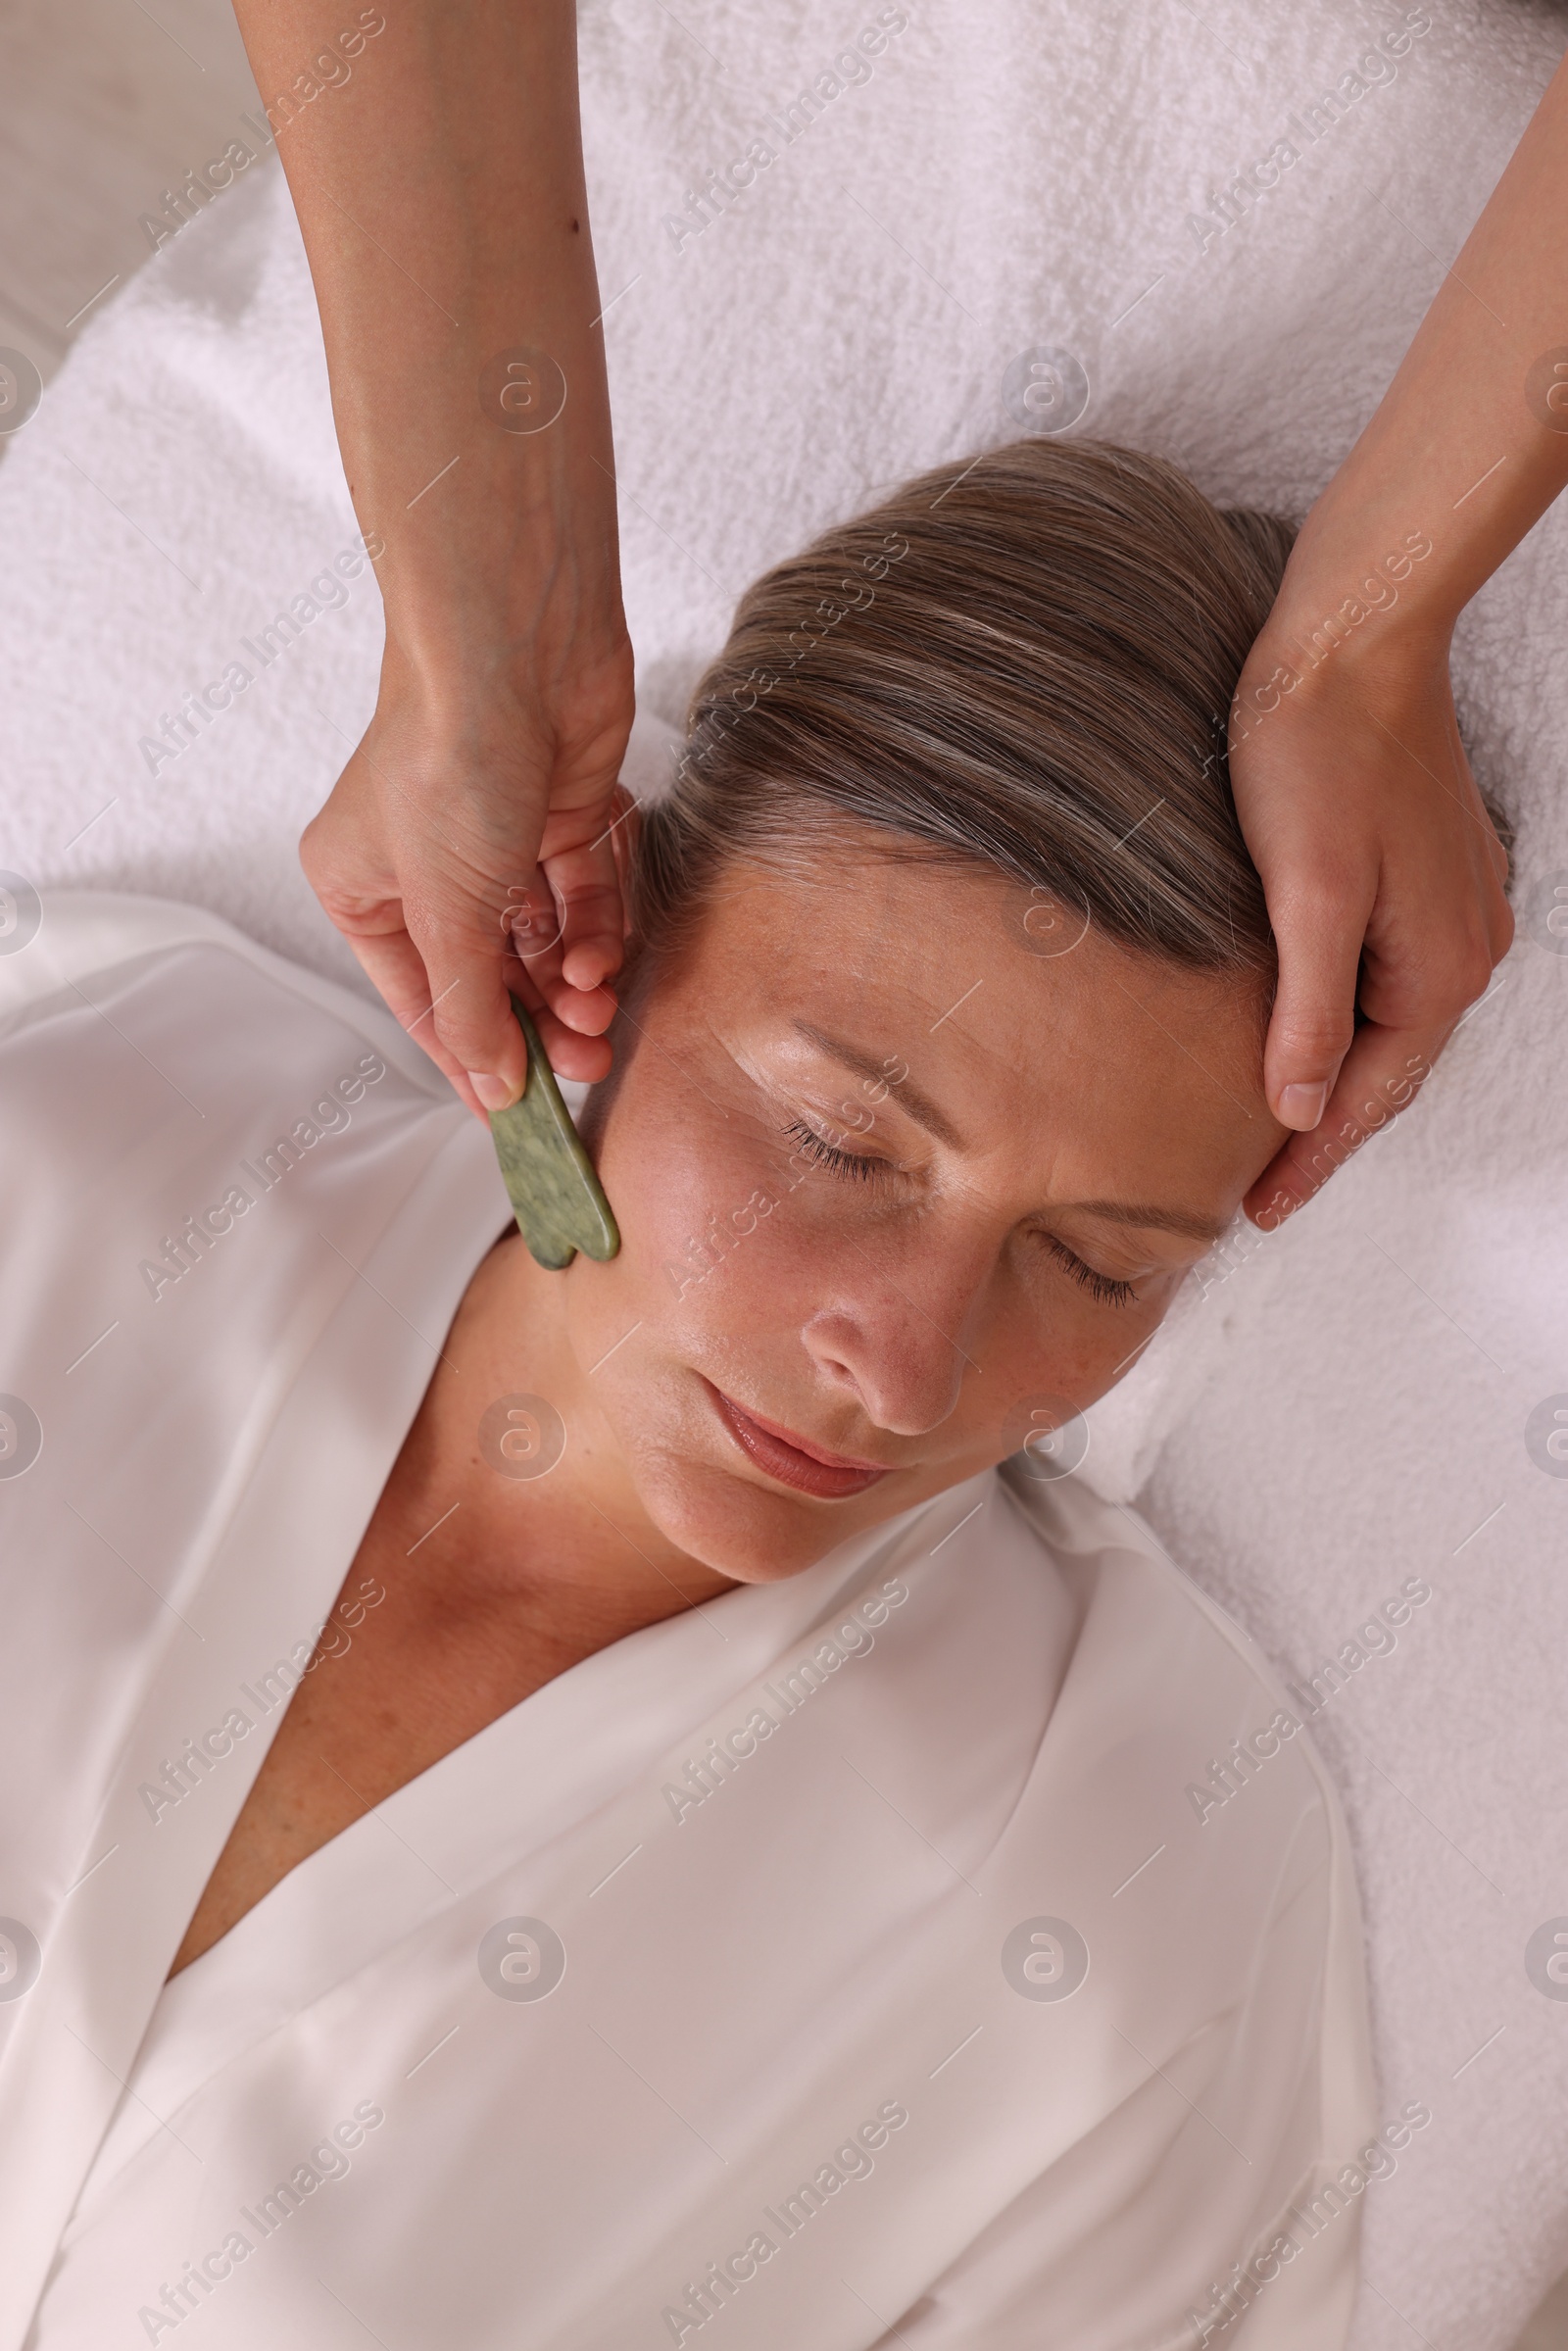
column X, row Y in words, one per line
column 558, row 1200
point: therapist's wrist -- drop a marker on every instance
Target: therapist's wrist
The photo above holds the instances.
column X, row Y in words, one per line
column 1414, row 544
column 459, row 698
column 517, row 574
column 1319, row 652
column 1366, row 578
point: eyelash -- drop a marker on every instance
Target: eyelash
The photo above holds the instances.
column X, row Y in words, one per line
column 1100, row 1286
column 862, row 1167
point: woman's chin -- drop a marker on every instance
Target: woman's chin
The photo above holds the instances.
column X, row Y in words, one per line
column 732, row 1522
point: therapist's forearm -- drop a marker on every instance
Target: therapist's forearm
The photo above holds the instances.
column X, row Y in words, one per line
column 1457, row 453
column 439, row 187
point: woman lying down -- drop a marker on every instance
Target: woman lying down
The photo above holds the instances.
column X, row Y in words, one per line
column 572, row 1811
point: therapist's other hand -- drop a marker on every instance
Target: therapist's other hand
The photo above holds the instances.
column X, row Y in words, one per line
column 1384, row 877
column 474, row 844
column 1384, row 874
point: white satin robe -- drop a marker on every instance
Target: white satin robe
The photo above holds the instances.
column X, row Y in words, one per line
column 632, row 2021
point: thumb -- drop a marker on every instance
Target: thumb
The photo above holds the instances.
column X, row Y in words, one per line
column 1319, row 940
column 475, row 1029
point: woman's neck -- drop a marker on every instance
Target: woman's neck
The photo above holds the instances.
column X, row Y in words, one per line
column 569, row 1556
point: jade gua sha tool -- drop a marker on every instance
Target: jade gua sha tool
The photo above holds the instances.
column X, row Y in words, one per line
column 558, row 1200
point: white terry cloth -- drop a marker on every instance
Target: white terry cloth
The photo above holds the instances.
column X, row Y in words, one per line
column 842, row 1962
column 1341, row 1413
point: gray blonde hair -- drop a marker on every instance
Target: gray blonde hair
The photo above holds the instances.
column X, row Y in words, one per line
column 1025, row 664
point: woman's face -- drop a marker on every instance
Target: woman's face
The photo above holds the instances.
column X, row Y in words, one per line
column 895, row 1185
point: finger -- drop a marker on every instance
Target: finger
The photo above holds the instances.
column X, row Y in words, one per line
column 1381, row 1075
column 585, row 1060
column 586, row 882
column 574, row 946
column 395, row 968
column 1319, row 925
column 570, row 1055
column 534, row 927
column 469, row 1012
column 1434, row 939
column 355, row 877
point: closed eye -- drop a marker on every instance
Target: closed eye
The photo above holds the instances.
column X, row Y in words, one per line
column 865, row 1167
column 1101, row 1287
column 861, row 1166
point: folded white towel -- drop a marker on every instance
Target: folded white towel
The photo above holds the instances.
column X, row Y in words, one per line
column 1355, row 1408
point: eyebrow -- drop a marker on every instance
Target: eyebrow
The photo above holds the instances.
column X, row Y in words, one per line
column 923, row 1110
column 1169, row 1221
column 919, row 1107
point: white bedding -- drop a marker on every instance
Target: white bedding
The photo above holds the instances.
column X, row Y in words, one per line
column 1347, row 1409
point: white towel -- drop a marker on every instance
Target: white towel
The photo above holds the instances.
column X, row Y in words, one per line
column 1346, row 1411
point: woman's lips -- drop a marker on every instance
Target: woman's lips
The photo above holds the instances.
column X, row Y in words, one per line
column 791, row 1459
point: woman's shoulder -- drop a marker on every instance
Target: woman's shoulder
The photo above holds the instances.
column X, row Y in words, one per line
column 57, row 946
column 169, row 1085
column 1135, row 1602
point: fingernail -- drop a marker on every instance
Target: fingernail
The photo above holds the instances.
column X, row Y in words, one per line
column 492, row 1092
column 1302, row 1106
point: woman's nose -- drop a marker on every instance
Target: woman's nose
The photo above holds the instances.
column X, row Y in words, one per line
column 900, row 1343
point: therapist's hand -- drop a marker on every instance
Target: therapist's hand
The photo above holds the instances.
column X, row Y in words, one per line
column 475, row 844
column 1383, row 873
column 434, row 155
column 1384, row 877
